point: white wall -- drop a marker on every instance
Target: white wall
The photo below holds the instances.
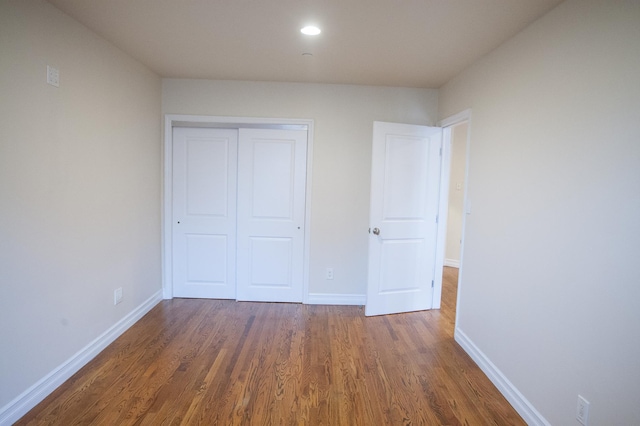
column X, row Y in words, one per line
column 551, row 283
column 344, row 117
column 456, row 193
column 79, row 190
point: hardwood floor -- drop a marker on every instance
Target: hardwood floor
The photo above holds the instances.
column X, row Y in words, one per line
column 215, row 362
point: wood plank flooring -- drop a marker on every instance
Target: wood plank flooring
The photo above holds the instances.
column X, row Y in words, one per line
column 215, row 362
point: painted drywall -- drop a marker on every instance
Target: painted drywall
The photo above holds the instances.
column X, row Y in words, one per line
column 343, row 118
column 550, row 282
column 79, row 189
column 456, row 193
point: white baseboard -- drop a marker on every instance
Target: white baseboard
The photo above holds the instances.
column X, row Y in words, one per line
column 452, row 262
column 336, row 299
column 24, row 402
column 526, row 410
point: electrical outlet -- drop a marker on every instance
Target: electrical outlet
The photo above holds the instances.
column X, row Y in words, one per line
column 329, row 273
column 53, row 76
column 117, row 296
column 582, row 412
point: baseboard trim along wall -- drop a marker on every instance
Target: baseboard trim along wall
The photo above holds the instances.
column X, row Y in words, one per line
column 452, row 262
column 527, row 411
column 336, row 299
column 40, row 390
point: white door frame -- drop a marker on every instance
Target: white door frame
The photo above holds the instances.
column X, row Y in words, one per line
column 447, row 124
column 178, row 120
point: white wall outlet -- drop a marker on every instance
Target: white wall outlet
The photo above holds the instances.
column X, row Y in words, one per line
column 582, row 412
column 329, row 273
column 117, row 296
column 53, row 76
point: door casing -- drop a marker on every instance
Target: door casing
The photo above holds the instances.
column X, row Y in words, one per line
column 178, row 120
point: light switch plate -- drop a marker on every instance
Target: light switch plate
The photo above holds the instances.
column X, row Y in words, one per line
column 582, row 412
column 53, row 76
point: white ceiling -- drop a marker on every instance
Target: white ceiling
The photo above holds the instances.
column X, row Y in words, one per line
column 413, row 43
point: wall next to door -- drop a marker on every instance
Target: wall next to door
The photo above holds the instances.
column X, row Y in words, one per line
column 343, row 116
column 550, row 281
column 79, row 193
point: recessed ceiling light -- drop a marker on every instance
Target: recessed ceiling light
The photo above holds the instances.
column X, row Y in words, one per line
column 310, row 30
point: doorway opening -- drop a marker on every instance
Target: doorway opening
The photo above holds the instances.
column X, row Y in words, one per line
column 455, row 175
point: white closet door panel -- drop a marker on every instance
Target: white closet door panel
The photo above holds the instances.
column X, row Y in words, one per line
column 270, row 262
column 271, row 213
column 273, row 179
column 207, row 177
column 206, row 258
column 204, row 212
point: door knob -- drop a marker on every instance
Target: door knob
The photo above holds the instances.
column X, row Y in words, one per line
column 376, row 231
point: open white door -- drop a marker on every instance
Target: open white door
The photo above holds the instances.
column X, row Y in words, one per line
column 405, row 181
column 272, row 167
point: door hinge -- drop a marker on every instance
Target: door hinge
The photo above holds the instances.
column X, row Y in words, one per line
column 437, row 218
column 431, row 283
column 440, row 151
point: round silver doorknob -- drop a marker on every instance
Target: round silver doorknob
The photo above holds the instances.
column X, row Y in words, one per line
column 376, row 231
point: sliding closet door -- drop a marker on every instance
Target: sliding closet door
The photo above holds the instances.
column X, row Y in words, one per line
column 271, row 212
column 204, row 212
